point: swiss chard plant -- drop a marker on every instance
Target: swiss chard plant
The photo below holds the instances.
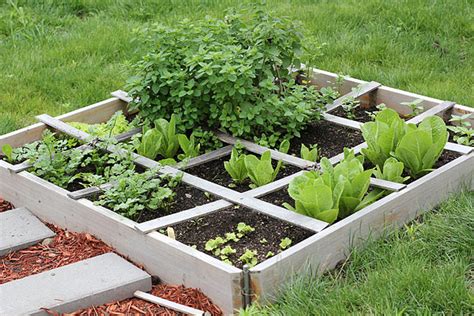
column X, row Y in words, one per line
column 229, row 74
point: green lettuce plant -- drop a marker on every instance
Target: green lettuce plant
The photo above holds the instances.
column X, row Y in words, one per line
column 235, row 167
column 261, row 171
column 383, row 135
column 149, row 144
column 170, row 143
column 310, row 153
column 421, row 146
column 188, row 146
column 392, row 171
column 334, row 191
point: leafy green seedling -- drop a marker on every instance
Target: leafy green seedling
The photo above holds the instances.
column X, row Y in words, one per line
column 284, row 146
column 310, row 153
column 188, row 146
column 231, row 237
column 8, row 152
column 415, row 107
column 235, row 167
column 244, row 229
column 249, row 257
column 213, row 245
column 285, row 243
column 227, row 251
column 269, row 254
column 263, row 241
column 463, row 132
column 260, row 171
column 392, row 171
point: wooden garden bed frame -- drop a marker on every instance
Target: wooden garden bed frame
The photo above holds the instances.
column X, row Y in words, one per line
column 175, row 262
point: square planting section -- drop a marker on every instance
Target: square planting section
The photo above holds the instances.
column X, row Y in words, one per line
column 207, row 207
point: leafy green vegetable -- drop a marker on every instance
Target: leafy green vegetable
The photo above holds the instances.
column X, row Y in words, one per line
column 188, row 146
column 249, row 257
column 421, row 146
column 334, row 191
column 170, row 143
column 116, row 125
column 310, row 153
column 244, row 229
column 8, row 152
column 392, row 171
column 214, row 244
column 285, row 243
column 236, row 166
column 135, row 193
column 260, row 171
column 415, row 107
column 149, row 144
column 383, row 135
column 463, row 131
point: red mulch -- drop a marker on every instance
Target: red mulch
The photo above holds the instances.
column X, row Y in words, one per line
column 65, row 248
column 68, row 247
column 5, row 205
column 134, row 306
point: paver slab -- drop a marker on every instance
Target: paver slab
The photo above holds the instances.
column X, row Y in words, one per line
column 19, row 228
column 95, row 281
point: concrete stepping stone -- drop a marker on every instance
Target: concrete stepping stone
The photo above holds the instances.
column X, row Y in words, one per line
column 95, row 281
column 19, row 228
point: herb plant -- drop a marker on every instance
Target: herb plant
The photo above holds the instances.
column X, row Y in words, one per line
column 229, row 74
column 463, row 131
column 134, row 193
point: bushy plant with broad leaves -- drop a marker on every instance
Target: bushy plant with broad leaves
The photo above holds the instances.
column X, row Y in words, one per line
column 230, row 74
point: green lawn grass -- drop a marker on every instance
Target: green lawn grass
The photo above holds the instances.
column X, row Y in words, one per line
column 56, row 56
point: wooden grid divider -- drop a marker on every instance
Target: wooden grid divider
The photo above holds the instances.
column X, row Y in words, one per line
column 355, row 93
column 442, row 107
column 201, row 184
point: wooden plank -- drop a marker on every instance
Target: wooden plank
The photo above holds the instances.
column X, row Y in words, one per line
column 168, row 304
column 63, row 127
column 176, row 262
column 127, row 135
column 79, row 194
column 182, row 216
column 25, row 165
column 355, row 93
column 387, row 185
column 95, row 113
column 324, row 250
column 440, row 108
column 122, row 95
column 252, row 147
column 341, row 121
column 202, row 159
column 462, row 149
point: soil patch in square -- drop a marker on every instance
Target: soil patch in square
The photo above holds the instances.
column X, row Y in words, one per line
column 361, row 114
column 331, row 138
column 214, row 171
column 265, row 238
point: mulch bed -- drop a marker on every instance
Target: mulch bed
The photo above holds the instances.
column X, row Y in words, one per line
column 198, row 231
column 215, row 171
column 187, row 296
column 5, row 205
column 65, row 248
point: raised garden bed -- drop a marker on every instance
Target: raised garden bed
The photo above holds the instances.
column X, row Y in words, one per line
column 314, row 242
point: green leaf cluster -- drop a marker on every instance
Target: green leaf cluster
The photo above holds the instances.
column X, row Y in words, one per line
column 230, row 74
column 261, row 171
column 334, row 191
column 418, row 147
column 134, row 193
column 116, row 125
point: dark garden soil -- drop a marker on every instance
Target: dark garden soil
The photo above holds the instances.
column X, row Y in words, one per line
column 177, row 293
column 63, row 249
column 278, row 197
column 331, row 138
column 266, row 237
column 5, row 205
column 361, row 114
column 214, row 171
